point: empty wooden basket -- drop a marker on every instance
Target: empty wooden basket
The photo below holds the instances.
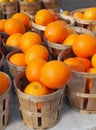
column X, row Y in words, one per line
column 78, row 95
column 49, row 112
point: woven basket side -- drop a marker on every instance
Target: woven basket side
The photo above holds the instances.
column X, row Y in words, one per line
column 78, row 94
column 49, row 110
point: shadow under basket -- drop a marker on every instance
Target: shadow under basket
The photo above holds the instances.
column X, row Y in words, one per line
column 13, row 69
column 1, row 61
column 38, row 112
column 4, row 107
column 81, row 89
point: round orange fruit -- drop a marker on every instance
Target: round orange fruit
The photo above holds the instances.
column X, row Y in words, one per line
column 36, row 51
column 55, row 74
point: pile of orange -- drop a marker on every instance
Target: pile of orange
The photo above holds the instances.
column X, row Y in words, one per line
column 45, row 16
column 88, row 14
column 84, row 60
column 42, row 76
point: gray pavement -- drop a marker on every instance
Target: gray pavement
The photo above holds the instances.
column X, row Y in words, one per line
column 73, row 4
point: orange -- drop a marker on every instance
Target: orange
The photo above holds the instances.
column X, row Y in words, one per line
column 23, row 17
column 36, row 51
column 2, row 23
column 33, row 69
column 91, row 70
column 36, row 88
column 18, row 59
column 13, row 40
column 71, row 31
column 55, row 74
column 75, row 64
column 56, row 31
column 90, row 13
column 4, row 82
column 78, row 15
column 86, row 62
column 65, row 12
column 43, row 17
column 93, row 60
column 84, row 45
column 28, row 39
column 14, row 26
column 54, row 15
column 70, row 39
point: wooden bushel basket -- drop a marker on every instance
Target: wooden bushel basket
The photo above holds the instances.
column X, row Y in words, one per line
column 55, row 48
column 49, row 112
column 1, row 61
column 77, row 94
column 88, row 24
column 4, row 106
column 30, row 7
column 13, row 69
column 51, row 4
column 9, row 8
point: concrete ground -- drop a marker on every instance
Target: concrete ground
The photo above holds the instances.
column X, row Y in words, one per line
column 73, row 4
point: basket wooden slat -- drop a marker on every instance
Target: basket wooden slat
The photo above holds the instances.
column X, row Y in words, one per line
column 50, row 111
column 78, row 96
column 4, row 106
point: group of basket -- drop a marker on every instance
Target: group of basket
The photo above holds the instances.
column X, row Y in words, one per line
column 7, row 9
column 50, row 112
